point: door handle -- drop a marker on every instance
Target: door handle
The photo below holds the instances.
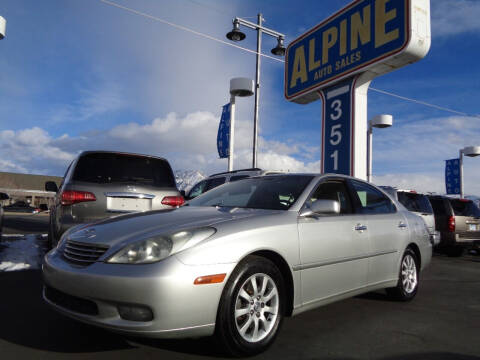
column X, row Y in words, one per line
column 402, row 225
column 360, row 227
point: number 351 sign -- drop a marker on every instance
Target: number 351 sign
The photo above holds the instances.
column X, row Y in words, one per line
column 337, row 129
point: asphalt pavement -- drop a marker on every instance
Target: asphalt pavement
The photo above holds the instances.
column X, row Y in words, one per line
column 442, row 322
column 19, row 223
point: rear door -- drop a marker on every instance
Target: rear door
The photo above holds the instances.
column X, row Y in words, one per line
column 418, row 204
column 387, row 231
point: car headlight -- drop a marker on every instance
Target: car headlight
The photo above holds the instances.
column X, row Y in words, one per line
column 159, row 247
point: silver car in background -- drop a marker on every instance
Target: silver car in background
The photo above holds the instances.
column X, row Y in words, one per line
column 236, row 260
column 100, row 184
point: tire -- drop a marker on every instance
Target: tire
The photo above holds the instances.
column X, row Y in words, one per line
column 408, row 278
column 259, row 311
column 51, row 236
column 454, row 251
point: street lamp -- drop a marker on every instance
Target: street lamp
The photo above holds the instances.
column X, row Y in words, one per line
column 379, row 121
column 470, row 151
column 238, row 87
column 3, row 27
column 279, row 50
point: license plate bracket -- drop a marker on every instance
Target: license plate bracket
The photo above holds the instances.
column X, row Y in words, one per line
column 123, row 204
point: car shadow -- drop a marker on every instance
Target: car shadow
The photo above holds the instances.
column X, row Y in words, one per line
column 207, row 347
column 27, row 320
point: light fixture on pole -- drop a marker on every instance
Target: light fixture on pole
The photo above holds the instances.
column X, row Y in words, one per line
column 379, row 121
column 241, row 87
column 470, row 151
column 237, row 35
column 3, row 27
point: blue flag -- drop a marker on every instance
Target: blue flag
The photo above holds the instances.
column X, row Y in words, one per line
column 223, row 136
column 452, row 176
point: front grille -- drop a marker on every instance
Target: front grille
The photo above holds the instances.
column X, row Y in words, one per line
column 83, row 253
column 70, row 302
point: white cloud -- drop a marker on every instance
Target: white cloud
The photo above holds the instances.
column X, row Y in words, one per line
column 453, row 17
column 188, row 142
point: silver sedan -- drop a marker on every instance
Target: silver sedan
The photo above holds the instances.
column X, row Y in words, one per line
column 236, row 260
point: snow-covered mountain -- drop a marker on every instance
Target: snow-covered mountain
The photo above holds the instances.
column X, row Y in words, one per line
column 187, row 178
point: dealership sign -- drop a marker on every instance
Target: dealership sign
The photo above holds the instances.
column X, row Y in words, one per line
column 358, row 38
column 365, row 39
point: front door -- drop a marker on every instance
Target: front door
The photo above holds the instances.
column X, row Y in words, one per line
column 332, row 247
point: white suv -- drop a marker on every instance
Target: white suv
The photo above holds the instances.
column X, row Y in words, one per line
column 418, row 204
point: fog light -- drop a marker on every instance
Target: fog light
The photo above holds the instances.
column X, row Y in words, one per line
column 135, row 313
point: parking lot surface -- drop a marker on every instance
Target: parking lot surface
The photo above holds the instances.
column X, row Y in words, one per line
column 442, row 322
column 14, row 223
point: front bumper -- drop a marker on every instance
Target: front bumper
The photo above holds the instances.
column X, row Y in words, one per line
column 180, row 308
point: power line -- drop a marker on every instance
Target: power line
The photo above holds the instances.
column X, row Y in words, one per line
column 184, row 28
column 423, row 103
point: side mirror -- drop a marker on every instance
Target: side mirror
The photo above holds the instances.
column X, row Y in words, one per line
column 321, row 207
column 182, row 192
column 51, row 186
column 4, row 196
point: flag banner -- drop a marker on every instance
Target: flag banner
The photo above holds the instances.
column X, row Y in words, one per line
column 452, row 176
column 223, row 136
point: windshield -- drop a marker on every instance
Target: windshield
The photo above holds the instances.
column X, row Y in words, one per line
column 464, row 208
column 415, row 202
column 102, row 168
column 269, row 192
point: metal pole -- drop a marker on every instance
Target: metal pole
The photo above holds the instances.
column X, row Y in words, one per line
column 369, row 151
column 232, row 133
column 257, row 91
column 461, row 173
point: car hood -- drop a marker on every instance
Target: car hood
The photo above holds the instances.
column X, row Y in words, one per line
column 132, row 227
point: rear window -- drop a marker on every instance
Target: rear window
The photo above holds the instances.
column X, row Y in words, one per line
column 415, row 202
column 106, row 168
column 464, row 207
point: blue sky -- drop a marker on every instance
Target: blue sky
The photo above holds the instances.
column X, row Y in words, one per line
column 79, row 75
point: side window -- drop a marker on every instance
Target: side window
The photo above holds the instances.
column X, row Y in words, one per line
column 238, row 177
column 197, row 189
column 372, row 201
column 334, row 190
column 213, row 183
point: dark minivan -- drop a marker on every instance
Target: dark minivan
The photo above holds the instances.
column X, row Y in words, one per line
column 100, row 184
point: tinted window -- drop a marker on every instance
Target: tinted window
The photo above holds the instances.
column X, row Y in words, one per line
column 438, row 206
column 464, row 207
column 334, row 190
column 238, row 177
column 272, row 192
column 372, row 201
column 415, row 202
column 197, row 189
column 103, row 168
column 213, row 183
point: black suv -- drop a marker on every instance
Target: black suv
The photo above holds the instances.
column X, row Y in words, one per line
column 458, row 221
